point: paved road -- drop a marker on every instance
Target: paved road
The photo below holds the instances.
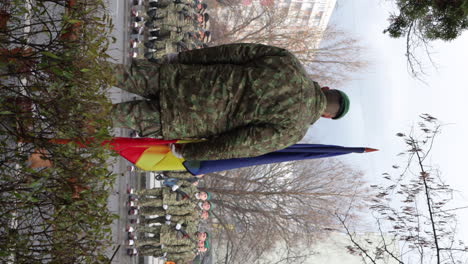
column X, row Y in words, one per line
column 119, row 9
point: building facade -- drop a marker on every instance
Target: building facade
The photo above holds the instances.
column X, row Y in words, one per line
column 312, row 13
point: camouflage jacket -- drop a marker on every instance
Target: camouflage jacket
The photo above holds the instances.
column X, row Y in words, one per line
column 181, row 257
column 171, row 237
column 175, row 198
column 174, row 20
column 181, row 209
column 182, row 175
column 193, row 217
column 179, row 249
column 245, row 99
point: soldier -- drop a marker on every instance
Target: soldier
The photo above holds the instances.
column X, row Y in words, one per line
column 165, row 236
column 164, row 13
column 182, row 175
column 167, row 196
column 166, row 3
column 194, row 216
column 175, row 183
column 169, row 238
column 245, row 100
column 206, row 37
column 163, row 210
column 201, row 8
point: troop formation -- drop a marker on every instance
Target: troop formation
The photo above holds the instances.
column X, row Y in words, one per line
column 168, row 219
column 168, row 26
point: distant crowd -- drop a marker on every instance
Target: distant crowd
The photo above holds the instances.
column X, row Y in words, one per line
column 168, row 26
column 168, row 218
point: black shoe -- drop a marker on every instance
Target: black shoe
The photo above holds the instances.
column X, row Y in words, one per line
column 138, row 19
column 137, row 2
column 131, row 235
column 153, row 60
column 149, row 23
column 159, row 177
column 151, row 12
column 149, row 55
column 153, row 4
column 149, row 44
column 134, row 221
column 154, row 33
column 132, row 252
column 137, row 30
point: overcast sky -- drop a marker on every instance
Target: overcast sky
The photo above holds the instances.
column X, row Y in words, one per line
column 386, row 100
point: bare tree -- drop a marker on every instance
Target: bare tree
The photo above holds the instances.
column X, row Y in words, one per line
column 330, row 55
column 259, row 207
column 411, row 211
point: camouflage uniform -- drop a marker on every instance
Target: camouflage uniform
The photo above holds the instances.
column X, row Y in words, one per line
column 173, row 8
column 181, row 257
column 141, row 78
column 191, row 43
column 159, row 252
column 178, row 22
column 172, row 210
column 244, row 99
column 191, row 217
column 166, row 235
column 170, row 47
column 165, row 196
column 167, row 3
column 182, row 175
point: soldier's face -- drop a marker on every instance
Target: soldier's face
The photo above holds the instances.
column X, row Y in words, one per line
column 204, row 215
column 202, row 249
column 201, row 236
column 200, row 19
column 200, row 243
column 203, row 196
column 206, row 206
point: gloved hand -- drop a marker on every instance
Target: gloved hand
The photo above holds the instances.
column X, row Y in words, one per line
column 176, row 150
column 165, row 206
column 168, row 217
column 178, row 226
column 175, row 187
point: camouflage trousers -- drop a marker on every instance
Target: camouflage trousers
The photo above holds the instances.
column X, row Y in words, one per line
column 152, row 210
column 144, row 116
column 150, row 197
column 165, row 3
column 150, row 229
column 157, row 220
column 151, row 251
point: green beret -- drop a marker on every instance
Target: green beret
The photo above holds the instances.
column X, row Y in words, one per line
column 208, row 196
column 207, row 236
column 207, row 244
column 344, row 105
column 210, row 214
column 211, row 207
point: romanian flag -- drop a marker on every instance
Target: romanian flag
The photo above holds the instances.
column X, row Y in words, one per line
column 148, row 154
column 291, row 153
column 155, row 155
